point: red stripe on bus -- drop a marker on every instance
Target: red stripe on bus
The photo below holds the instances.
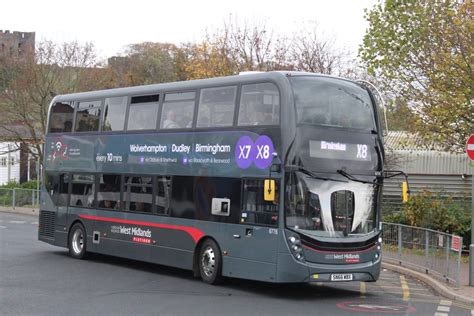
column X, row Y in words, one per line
column 341, row 252
column 195, row 233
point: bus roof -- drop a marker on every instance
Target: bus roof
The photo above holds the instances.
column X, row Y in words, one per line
column 247, row 77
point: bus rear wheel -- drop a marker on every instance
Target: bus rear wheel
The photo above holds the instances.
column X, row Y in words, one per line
column 77, row 241
column 210, row 262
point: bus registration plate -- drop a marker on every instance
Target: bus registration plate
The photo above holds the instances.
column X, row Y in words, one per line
column 341, row 277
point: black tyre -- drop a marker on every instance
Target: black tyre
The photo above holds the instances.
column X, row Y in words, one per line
column 78, row 241
column 210, row 262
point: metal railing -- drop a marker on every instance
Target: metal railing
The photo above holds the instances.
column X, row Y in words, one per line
column 19, row 197
column 427, row 250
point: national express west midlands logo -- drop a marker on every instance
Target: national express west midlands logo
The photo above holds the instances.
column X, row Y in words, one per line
column 259, row 152
column 59, row 150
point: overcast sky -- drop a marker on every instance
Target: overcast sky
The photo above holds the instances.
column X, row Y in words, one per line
column 111, row 25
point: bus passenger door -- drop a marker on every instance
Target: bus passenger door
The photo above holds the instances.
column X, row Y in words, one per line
column 253, row 243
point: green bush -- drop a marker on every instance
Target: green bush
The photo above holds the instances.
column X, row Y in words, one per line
column 26, row 185
column 436, row 211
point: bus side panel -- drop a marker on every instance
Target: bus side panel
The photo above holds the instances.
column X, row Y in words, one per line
column 52, row 222
column 248, row 269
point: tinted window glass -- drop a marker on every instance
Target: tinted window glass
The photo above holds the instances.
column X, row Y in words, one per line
column 259, row 105
column 163, row 195
column 177, row 111
column 108, row 195
column 61, row 117
column 180, row 96
column 216, row 107
column 88, row 116
column 57, row 187
column 138, row 193
column 142, row 116
column 114, row 114
column 342, row 207
column 332, row 102
column 255, row 209
column 82, row 190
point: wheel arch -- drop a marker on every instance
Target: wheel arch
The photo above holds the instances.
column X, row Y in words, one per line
column 76, row 221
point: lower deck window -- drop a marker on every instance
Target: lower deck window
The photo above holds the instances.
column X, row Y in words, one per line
column 108, row 195
column 82, row 190
column 255, row 209
column 138, row 193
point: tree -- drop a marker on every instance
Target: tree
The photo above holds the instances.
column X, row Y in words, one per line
column 207, row 60
column 313, row 51
column 30, row 83
column 421, row 51
column 145, row 63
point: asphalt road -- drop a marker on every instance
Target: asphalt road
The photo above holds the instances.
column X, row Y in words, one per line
column 40, row 279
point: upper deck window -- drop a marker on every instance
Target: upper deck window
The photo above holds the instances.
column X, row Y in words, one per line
column 259, row 105
column 178, row 110
column 88, row 116
column 332, row 102
column 114, row 114
column 61, row 117
column 143, row 112
column 216, row 107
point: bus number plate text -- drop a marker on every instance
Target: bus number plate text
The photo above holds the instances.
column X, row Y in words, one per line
column 341, row 277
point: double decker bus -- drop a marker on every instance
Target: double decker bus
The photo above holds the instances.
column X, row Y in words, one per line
column 271, row 176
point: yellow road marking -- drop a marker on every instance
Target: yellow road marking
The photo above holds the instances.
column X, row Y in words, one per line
column 363, row 289
column 405, row 289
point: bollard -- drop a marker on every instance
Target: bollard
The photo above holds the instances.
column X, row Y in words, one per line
column 458, row 274
column 448, row 244
column 427, row 245
column 13, row 198
column 399, row 245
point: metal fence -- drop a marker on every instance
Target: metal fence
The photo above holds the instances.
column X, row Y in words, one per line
column 19, row 198
column 423, row 249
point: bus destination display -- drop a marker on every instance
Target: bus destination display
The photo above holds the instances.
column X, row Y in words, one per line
column 336, row 150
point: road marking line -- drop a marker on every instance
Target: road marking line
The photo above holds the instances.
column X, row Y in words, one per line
column 16, row 222
column 405, row 288
column 363, row 289
column 441, row 314
column 445, row 302
column 444, row 308
column 34, row 223
column 3, row 227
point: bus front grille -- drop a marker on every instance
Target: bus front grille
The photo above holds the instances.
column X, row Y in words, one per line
column 47, row 222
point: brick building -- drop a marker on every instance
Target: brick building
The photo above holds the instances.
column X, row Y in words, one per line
column 16, row 44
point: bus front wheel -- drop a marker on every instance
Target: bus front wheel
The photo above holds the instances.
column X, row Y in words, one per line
column 77, row 241
column 210, row 262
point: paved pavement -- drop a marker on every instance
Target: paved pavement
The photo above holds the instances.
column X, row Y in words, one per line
column 40, row 279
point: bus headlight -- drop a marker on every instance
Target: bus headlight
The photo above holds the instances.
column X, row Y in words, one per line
column 296, row 248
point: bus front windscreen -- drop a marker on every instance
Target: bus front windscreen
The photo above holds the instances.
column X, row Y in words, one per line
column 332, row 102
column 327, row 208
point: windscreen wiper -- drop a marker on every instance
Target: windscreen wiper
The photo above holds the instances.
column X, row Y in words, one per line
column 349, row 176
column 311, row 174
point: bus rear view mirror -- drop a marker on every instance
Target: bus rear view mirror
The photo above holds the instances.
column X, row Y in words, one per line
column 269, row 190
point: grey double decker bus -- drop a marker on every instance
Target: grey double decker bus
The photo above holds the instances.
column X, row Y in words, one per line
column 271, row 176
